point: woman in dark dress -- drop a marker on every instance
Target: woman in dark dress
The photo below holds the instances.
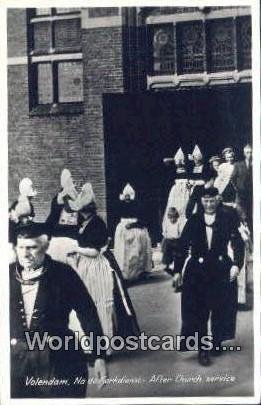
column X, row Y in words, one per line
column 197, row 169
column 99, row 271
column 63, row 220
column 61, row 212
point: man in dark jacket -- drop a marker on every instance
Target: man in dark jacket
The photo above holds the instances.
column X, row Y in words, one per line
column 209, row 274
column 43, row 292
column 243, row 184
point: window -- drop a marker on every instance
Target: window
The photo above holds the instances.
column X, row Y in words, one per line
column 190, row 37
column 42, row 37
column 221, row 44
column 96, row 12
column 163, row 49
column 67, row 10
column 214, row 45
column 45, row 83
column 43, row 11
column 56, row 74
column 67, row 35
column 70, row 82
column 244, row 39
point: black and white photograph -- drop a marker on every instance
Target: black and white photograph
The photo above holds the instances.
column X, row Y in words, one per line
column 132, row 224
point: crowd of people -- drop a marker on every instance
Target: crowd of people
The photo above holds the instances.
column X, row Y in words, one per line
column 207, row 231
column 207, row 234
column 73, row 239
column 233, row 181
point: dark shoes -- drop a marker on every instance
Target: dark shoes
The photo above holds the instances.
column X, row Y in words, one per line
column 204, row 358
column 243, row 307
column 144, row 276
column 169, row 271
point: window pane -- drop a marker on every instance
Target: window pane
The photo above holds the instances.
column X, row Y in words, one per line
column 96, row 12
column 42, row 11
column 64, row 10
column 190, row 40
column 42, row 36
column 70, row 82
column 45, row 83
column 244, row 42
column 67, row 35
column 163, row 50
column 221, row 43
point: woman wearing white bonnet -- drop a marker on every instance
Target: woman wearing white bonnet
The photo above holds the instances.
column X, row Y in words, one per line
column 180, row 191
column 61, row 212
column 132, row 244
column 62, row 220
column 22, row 210
column 198, row 160
column 198, row 167
column 98, row 269
column 26, row 188
column 128, row 191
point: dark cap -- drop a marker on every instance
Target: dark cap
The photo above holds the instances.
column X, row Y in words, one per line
column 209, row 192
column 215, row 159
column 31, row 230
column 173, row 211
column 229, row 149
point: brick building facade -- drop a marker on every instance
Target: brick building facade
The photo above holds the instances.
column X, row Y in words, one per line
column 65, row 66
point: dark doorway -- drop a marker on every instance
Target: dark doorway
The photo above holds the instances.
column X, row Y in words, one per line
column 142, row 129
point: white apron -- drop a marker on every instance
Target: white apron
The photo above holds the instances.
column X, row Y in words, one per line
column 178, row 198
column 132, row 249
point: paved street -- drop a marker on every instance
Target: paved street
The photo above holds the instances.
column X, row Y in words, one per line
column 158, row 311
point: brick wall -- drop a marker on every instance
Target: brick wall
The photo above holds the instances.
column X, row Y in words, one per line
column 39, row 147
column 134, row 51
column 17, row 38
